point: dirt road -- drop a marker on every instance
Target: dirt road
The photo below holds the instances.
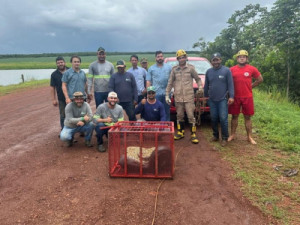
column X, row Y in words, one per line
column 43, row 182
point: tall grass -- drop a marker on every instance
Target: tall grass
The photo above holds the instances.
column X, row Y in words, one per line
column 277, row 120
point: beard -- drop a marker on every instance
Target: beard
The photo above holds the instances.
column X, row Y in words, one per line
column 160, row 61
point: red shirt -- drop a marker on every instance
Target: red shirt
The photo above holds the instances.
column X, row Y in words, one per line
column 242, row 79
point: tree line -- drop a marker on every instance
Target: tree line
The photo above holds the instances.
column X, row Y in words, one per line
column 272, row 39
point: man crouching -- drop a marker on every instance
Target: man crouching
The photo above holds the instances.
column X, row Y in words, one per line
column 78, row 119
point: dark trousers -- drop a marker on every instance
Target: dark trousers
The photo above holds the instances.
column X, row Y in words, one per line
column 129, row 109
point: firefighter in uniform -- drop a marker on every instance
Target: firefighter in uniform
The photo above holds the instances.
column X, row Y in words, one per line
column 181, row 78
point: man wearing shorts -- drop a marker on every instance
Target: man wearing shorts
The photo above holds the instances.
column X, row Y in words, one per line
column 242, row 75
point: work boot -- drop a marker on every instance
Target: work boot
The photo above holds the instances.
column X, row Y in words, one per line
column 194, row 138
column 101, row 148
column 180, row 131
column 88, row 143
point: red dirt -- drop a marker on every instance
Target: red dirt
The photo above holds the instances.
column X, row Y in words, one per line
column 43, row 182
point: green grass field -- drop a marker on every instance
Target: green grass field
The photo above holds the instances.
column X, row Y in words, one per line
column 49, row 62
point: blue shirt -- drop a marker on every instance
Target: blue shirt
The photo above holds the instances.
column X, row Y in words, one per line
column 159, row 76
column 218, row 82
column 151, row 112
column 75, row 81
column 124, row 85
column 140, row 77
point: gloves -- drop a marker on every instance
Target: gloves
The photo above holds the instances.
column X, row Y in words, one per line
column 200, row 91
column 168, row 101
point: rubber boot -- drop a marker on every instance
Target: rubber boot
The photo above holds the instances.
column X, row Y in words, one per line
column 194, row 138
column 180, row 131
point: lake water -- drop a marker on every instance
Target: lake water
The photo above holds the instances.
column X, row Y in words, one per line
column 14, row 76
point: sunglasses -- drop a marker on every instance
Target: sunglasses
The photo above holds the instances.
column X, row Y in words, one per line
column 151, row 92
column 113, row 98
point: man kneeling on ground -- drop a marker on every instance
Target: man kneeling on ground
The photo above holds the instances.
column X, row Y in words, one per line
column 78, row 120
column 151, row 109
column 107, row 114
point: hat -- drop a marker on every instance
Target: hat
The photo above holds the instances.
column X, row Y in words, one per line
column 120, row 63
column 112, row 94
column 151, row 88
column 144, row 60
column 78, row 94
column 100, row 49
column 215, row 55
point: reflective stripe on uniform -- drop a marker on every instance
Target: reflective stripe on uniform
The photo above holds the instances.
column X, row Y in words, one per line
column 98, row 76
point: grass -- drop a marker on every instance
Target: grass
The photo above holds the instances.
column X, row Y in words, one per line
column 4, row 90
column 49, row 62
column 277, row 121
column 275, row 124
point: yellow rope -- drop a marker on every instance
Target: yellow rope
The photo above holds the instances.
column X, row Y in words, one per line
column 158, row 187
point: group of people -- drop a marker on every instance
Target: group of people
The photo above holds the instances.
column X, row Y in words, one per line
column 144, row 91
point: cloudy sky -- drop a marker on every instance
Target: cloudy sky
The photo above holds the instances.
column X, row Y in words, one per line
column 47, row 26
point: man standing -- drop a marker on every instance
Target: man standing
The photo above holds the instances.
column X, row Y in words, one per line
column 144, row 63
column 181, row 79
column 151, row 109
column 242, row 75
column 56, row 84
column 157, row 76
column 124, row 84
column 74, row 80
column 140, row 77
column 78, row 119
column 219, row 84
column 107, row 114
column 99, row 74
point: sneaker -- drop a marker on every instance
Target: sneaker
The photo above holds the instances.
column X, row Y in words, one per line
column 223, row 143
column 214, row 139
column 88, row 143
column 101, row 148
column 69, row 143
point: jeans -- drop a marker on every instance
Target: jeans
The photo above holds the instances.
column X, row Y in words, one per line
column 67, row 133
column 62, row 106
column 100, row 97
column 100, row 132
column 129, row 109
column 162, row 99
column 219, row 113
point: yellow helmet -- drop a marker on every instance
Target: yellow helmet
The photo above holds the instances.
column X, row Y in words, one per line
column 180, row 52
column 242, row 52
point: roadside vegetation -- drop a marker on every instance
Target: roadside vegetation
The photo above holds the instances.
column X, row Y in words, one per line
column 9, row 89
column 261, row 168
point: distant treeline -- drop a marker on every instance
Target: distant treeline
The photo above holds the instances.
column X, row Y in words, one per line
column 66, row 54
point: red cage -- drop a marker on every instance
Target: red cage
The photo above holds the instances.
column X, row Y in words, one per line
column 141, row 149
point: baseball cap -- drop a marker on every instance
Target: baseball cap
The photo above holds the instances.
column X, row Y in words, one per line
column 151, row 88
column 100, row 49
column 112, row 94
column 120, row 63
column 215, row 55
column 144, row 60
column 78, row 94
